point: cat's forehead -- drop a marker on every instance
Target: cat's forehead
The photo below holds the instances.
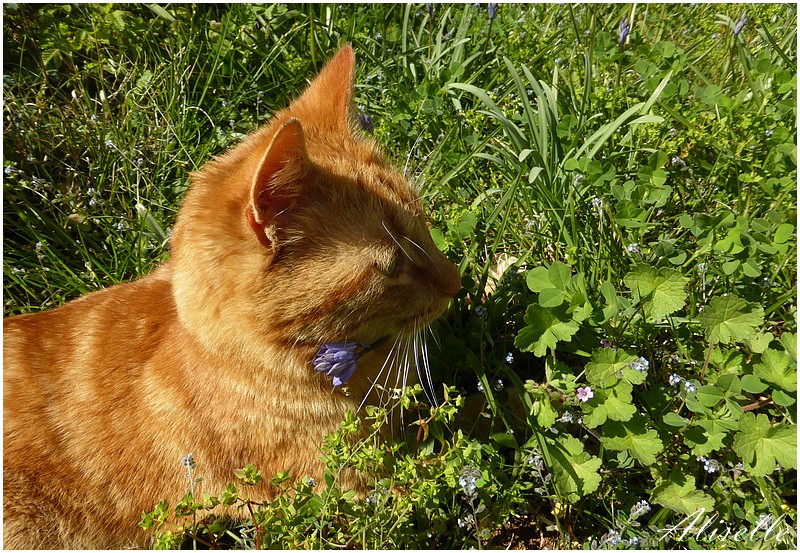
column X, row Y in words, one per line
column 364, row 167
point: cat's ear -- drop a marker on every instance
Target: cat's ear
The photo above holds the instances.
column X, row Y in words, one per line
column 276, row 181
column 329, row 97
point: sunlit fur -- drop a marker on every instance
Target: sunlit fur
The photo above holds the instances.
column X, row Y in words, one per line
column 300, row 236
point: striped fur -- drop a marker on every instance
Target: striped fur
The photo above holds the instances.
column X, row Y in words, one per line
column 283, row 244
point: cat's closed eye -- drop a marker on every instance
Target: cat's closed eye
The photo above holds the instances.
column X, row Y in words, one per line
column 391, row 267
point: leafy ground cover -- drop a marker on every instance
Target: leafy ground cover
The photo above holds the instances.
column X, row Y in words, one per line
column 616, row 182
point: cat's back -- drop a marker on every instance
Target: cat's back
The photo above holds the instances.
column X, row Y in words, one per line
column 120, row 317
column 96, row 341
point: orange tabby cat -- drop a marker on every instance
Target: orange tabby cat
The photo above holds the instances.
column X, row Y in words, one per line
column 299, row 237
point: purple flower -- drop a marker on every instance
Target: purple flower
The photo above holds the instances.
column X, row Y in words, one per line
column 492, row 10
column 339, row 360
column 365, row 122
column 585, row 394
column 624, row 29
column 740, row 25
column 605, row 343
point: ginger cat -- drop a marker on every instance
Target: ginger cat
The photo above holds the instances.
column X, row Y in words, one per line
column 300, row 236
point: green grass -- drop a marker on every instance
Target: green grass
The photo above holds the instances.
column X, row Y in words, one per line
column 645, row 194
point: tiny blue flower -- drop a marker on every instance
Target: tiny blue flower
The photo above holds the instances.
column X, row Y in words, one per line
column 480, row 386
column 634, row 248
column 498, row 386
column 311, row 483
column 510, row 358
column 8, row 169
column 690, row 388
column 566, row 417
column 641, row 364
column 711, row 465
column 769, row 132
column 480, row 311
column 611, row 538
column 642, row 507
column 597, row 203
column 467, row 480
column 674, row 380
column 188, row 461
column 605, row 343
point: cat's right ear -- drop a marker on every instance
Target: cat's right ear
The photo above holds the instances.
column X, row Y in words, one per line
column 275, row 182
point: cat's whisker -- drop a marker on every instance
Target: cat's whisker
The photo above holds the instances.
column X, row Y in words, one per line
column 427, row 366
column 401, row 369
column 386, row 363
column 399, row 245
column 417, row 357
column 419, row 247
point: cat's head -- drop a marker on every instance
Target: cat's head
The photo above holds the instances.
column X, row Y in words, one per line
column 304, row 235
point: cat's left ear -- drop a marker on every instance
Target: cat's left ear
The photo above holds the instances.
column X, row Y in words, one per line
column 329, row 97
column 276, row 182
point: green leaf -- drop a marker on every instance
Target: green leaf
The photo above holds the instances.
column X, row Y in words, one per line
column 608, row 365
column 674, row 419
column 467, row 224
column 551, row 297
column 775, row 368
column 505, row 440
column 709, row 395
column 678, row 493
column 761, row 445
column 729, row 319
column 537, row 279
column 753, row 384
column 705, row 436
column 161, row 12
column 559, row 274
column 661, row 290
column 782, row 398
column 613, row 402
column 632, row 436
column 760, row 342
column 546, row 327
column 574, row 471
column 789, row 343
